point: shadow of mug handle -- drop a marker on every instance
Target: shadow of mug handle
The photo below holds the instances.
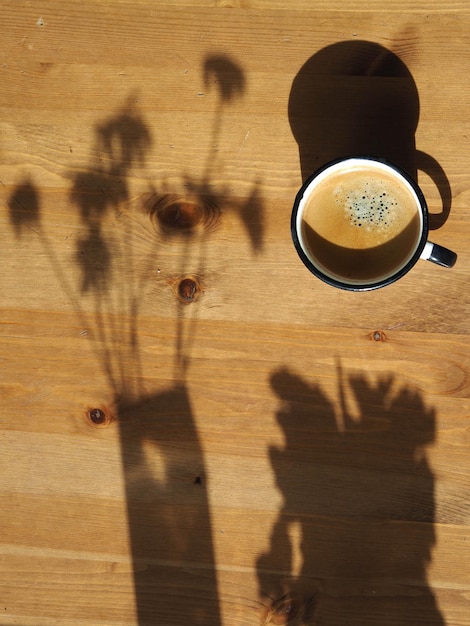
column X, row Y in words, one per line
column 432, row 251
column 431, row 167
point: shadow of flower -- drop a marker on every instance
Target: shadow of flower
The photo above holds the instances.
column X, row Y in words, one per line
column 226, row 74
column 24, row 208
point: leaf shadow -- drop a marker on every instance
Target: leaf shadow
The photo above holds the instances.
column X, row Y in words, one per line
column 354, row 537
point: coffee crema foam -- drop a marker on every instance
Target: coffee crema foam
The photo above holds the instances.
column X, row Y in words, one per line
column 369, row 209
column 361, row 208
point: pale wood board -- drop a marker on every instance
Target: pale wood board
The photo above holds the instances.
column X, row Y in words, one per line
column 275, row 435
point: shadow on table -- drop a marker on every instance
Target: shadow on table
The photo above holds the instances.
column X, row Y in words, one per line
column 165, row 479
column 168, row 511
column 358, row 98
column 353, row 539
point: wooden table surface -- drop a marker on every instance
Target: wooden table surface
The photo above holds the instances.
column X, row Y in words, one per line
column 195, row 430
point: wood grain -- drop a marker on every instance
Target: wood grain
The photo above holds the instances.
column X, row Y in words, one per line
column 193, row 429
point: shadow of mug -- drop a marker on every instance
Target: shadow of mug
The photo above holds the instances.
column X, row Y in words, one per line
column 358, row 98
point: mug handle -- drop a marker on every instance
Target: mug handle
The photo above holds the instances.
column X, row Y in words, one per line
column 433, row 251
column 438, row 254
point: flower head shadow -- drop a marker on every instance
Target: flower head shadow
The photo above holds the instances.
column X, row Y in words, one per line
column 24, row 208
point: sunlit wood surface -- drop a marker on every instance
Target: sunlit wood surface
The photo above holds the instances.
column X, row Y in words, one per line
column 194, row 430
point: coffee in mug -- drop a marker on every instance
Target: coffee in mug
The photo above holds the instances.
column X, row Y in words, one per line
column 361, row 223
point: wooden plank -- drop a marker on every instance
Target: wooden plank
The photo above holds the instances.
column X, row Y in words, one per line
column 191, row 425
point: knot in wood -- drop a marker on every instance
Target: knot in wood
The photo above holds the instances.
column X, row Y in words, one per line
column 287, row 611
column 187, row 289
column 180, row 215
column 175, row 214
column 98, row 417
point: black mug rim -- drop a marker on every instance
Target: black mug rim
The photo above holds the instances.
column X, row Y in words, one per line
column 384, row 281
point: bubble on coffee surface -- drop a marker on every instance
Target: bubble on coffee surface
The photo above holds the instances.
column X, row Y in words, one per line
column 369, row 208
